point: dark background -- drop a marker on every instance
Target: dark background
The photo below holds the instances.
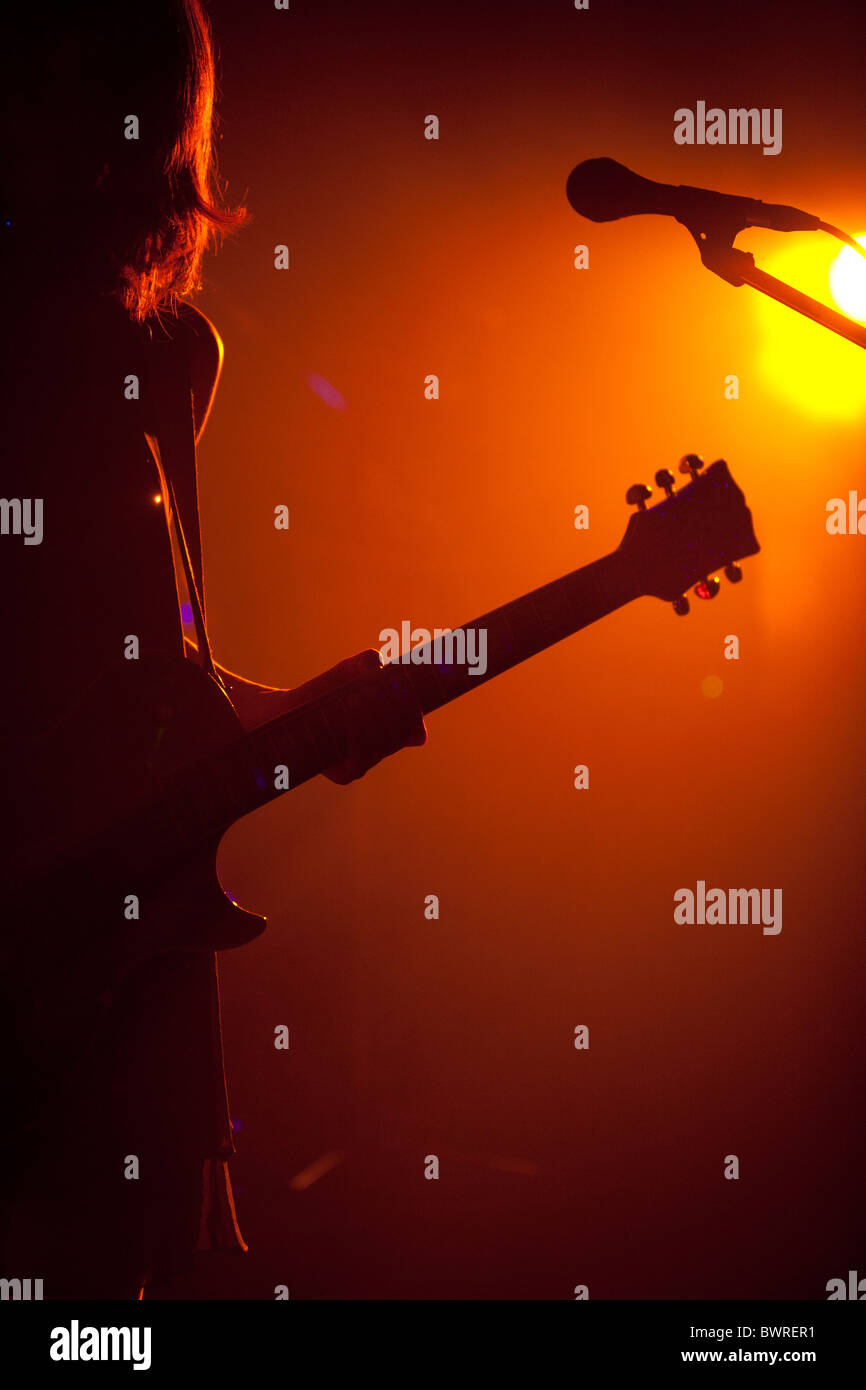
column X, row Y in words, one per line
column 558, row 387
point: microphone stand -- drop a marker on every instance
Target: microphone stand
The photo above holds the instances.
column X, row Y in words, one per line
column 719, row 255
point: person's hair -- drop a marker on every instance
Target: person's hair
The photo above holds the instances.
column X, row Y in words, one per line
column 167, row 204
column 148, row 202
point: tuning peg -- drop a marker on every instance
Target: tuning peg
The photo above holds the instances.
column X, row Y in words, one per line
column 733, row 573
column 691, row 463
column 665, row 479
column 637, row 496
column 708, row 588
column 681, row 606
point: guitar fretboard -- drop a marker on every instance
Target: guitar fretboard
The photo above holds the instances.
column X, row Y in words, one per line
column 521, row 629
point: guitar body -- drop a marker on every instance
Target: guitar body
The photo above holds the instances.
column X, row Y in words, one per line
column 98, row 797
column 92, row 922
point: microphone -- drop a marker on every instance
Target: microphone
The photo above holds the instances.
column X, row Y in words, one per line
column 603, row 190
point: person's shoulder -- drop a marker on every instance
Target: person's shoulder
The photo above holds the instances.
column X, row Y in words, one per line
column 200, row 333
column 192, row 332
column 199, row 345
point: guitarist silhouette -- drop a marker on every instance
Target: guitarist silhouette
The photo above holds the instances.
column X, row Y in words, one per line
column 127, row 751
column 116, row 1135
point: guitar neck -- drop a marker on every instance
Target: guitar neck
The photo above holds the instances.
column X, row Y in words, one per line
column 511, row 634
column 314, row 737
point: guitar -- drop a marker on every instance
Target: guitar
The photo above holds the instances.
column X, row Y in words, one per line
column 151, row 766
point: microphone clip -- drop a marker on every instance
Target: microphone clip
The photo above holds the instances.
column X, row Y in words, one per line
column 715, row 242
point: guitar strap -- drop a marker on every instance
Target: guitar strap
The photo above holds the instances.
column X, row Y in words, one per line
column 174, row 412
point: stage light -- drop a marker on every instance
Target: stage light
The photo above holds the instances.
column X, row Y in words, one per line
column 848, row 281
column 803, row 364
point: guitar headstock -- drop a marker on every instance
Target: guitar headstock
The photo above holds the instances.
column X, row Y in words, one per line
column 679, row 542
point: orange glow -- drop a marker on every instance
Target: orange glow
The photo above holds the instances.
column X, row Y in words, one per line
column 558, row 387
column 801, row 361
column 318, row 1169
